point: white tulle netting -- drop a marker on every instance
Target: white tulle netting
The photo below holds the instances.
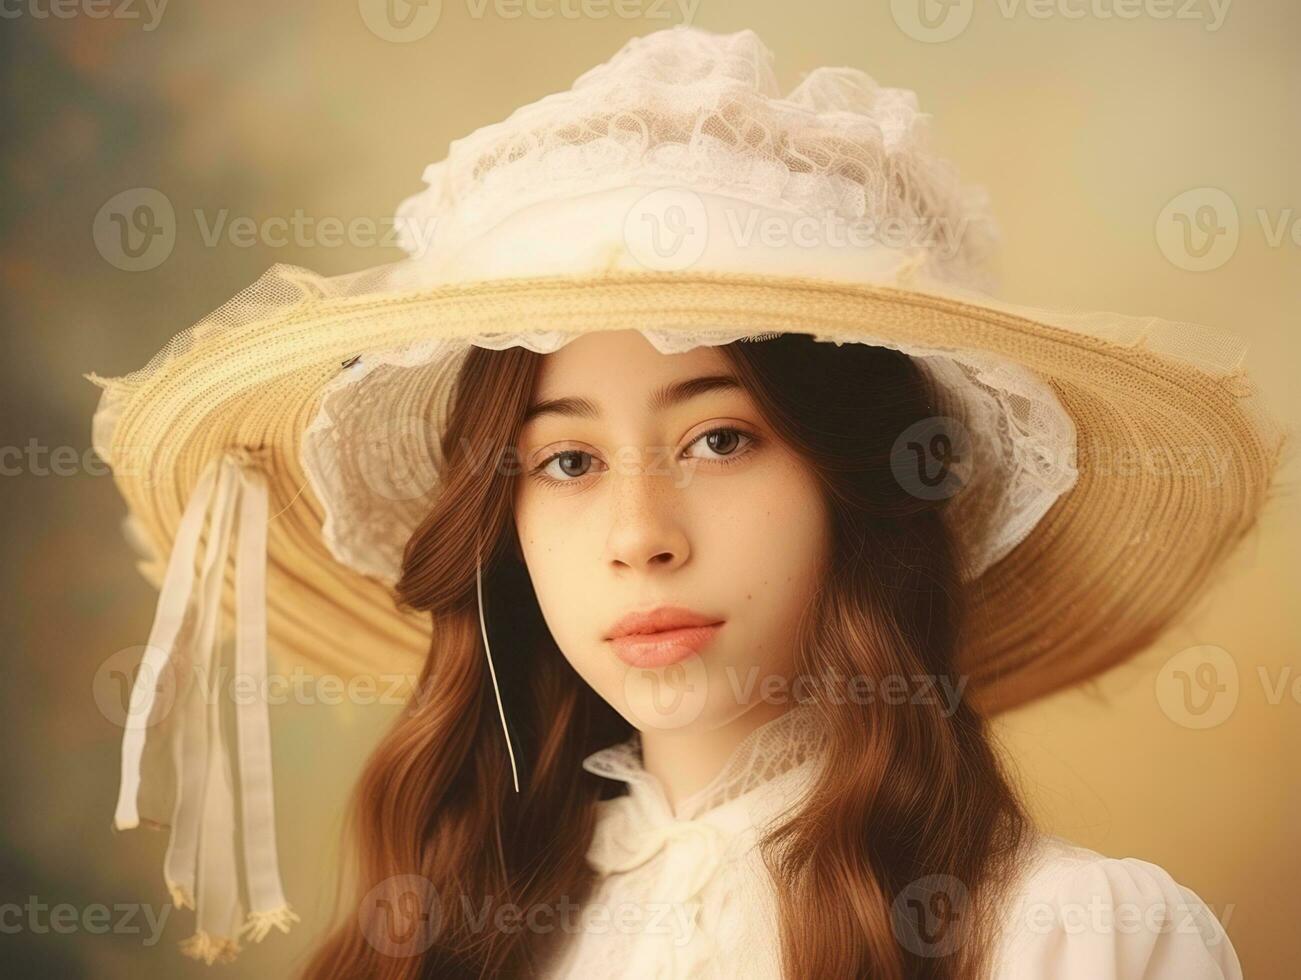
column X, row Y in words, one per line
column 685, row 107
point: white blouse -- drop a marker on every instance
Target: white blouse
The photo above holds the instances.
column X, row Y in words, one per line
column 686, row 894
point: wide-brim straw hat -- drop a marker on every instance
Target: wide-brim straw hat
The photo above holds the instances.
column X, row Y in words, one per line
column 1107, row 464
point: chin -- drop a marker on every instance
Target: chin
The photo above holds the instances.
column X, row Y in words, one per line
column 694, row 695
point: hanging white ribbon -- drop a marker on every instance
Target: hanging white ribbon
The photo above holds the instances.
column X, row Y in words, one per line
column 173, row 598
column 190, row 749
column 201, row 862
column 217, row 910
column 268, row 908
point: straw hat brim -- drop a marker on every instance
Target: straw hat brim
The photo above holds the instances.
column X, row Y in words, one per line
column 1103, row 573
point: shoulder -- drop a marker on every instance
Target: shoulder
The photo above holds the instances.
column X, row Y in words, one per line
column 1078, row 915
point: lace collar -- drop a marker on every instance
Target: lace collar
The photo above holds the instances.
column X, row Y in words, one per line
column 773, row 749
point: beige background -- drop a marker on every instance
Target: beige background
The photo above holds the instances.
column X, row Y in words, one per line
column 1082, row 128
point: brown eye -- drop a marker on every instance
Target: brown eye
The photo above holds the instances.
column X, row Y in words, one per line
column 722, row 443
column 568, row 465
column 574, row 464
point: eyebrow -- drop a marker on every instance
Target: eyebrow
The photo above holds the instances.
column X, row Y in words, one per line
column 661, row 398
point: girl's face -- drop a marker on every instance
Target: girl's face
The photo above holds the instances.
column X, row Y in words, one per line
column 652, row 481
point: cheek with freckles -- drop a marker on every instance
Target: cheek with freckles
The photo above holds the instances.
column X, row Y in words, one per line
column 575, row 594
column 769, row 544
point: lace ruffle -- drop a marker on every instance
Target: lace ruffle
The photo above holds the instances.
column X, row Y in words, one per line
column 685, row 107
column 775, row 747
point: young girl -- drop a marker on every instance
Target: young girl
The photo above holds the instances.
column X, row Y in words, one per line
column 723, row 510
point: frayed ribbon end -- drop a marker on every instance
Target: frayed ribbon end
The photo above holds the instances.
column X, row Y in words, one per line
column 182, row 897
column 259, row 924
column 210, row 949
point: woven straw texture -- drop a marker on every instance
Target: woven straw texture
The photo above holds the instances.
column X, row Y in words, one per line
column 1174, row 450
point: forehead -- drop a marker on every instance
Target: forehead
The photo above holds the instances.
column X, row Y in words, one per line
column 621, row 373
column 616, row 364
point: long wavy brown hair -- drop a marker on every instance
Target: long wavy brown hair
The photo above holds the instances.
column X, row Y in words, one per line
column 894, row 867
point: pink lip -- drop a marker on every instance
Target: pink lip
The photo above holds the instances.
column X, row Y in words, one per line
column 661, row 637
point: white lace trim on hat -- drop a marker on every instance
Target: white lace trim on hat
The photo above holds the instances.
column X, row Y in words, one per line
column 374, row 460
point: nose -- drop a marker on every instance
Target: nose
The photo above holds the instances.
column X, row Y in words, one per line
column 646, row 532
